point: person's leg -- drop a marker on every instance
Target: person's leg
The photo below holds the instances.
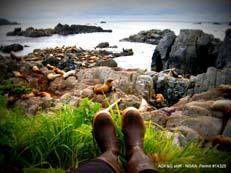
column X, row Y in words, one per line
column 105, row 135
column 96, row 166
column 134, row 130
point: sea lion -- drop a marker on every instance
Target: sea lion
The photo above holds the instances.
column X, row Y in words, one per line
column 52, row 76
column 105, row 88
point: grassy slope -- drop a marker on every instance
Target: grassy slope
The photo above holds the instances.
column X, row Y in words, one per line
column 63, row 139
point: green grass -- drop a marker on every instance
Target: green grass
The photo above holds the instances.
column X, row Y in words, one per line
column 63, row 139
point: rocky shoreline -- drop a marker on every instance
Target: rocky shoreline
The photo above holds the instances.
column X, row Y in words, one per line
column 58, row 29
column 196, row 106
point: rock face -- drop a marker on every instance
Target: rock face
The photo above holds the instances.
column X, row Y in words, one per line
column 59, row 29
column 192, row 52
column 161, row 53
column 7, row 22
column 12, row 47
column 151, row 36
column 224, row 55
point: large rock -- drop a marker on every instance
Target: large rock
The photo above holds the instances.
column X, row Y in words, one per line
column 152, row 36
column 129, row 81
column 224, row 55
column 172, row 88
column 191, row 52
column 206, row 126
column 12, row 47
column 161, row 53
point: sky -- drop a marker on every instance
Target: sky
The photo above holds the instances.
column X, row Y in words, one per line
column 169, row 10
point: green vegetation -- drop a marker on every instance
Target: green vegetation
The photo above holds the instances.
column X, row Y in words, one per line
column 63, row 139
column 8, row 87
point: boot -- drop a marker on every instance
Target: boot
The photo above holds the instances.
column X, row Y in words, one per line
column 133, row 129
column 105, row 135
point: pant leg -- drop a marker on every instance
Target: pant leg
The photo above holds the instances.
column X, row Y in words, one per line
column 149, row 171
column 94, row 166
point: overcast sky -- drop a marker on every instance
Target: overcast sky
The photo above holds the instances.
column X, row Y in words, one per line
column 191, row 10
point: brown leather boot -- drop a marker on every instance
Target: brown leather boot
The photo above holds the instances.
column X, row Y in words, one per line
column 105, row 135
column 134, row 130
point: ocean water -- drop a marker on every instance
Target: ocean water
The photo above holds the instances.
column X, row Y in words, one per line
column 121, row 29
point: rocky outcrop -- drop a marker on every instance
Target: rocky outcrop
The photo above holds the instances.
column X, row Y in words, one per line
column 31, row 32
column 224, row 54
column 192, row 52
column 199, row 117
column 10, row 48
column 77, row 29
column 151, row 36
column 59, row 29
column 7, row 22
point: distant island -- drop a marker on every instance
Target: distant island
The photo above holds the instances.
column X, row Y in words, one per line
column 7, row 22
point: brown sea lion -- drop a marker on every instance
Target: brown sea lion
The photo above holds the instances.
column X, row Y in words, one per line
column 105, row 88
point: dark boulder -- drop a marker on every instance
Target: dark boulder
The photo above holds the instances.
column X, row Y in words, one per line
column 161, row 53
column 193, row 52
column 68, row 64
column 12, row 47
column 52, row 60
column 224, row 54
column 103, row 45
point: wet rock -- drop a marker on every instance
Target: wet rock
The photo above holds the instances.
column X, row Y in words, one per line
column 103, row 45
column 224, row 55
column 51, row 60
column 68, row 65
column 12, row 47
